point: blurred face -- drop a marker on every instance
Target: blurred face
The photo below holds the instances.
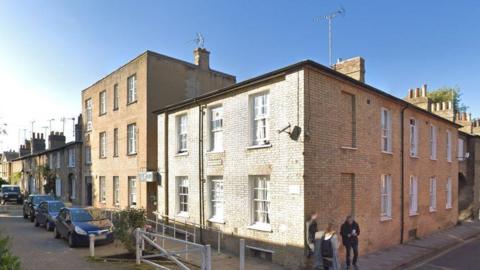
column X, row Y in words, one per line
column 314, row 216
column 350, row 220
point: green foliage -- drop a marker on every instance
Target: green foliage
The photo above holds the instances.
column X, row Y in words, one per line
column 3, row 182
column 7, row 260
column 47, row 173
column 126, row 223
column 448, row 93
column 15, row 178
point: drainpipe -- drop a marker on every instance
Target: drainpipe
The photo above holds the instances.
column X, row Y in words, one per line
column 201, row 169
column 165, row 161
column 402, row 173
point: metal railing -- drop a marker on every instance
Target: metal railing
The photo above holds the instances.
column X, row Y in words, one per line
column 142, row 237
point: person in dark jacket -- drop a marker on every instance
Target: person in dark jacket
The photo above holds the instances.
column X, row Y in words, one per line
column 350, row 232
column 312, row 229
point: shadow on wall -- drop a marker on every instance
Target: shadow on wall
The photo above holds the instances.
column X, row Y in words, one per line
column 465, row 198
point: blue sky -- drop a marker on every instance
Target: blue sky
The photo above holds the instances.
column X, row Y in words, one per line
column 51, row 50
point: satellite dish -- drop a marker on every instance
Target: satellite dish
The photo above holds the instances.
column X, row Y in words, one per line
column 295, row 134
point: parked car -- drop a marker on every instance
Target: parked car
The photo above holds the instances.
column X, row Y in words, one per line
column 47, row 213
column 10, row 193
column 31, row 204
column 76, row 224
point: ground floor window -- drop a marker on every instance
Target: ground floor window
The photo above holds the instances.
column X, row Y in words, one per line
column 58, row 187
column 182, row 195
column 413, row 195
column 217, row 198
column 132, row 191
column 116, row 188
column 448, row 193
column 261, row 199
column 386, row 196
column 433, row 194
column 73, row 189
column 102, row 192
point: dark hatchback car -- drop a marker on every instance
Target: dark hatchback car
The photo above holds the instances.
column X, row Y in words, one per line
column 10, row 193
column 47, row 213
column 31, row 203
column 76, row 224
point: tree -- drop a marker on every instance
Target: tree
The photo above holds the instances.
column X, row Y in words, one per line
column 126, row 223
column 47, row 174
column 448, row 93
column 15, row 178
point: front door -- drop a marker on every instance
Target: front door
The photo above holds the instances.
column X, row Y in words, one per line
column 89, row 190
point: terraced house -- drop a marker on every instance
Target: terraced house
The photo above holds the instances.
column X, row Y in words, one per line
column 120, row 131
column 254, row 159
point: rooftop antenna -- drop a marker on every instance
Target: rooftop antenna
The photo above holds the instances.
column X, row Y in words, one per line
column 199, row 40
column 45, row 129
column 329, row 18
column 50, row 124
column 32, row 122
column 73, row 126
column 63, row 119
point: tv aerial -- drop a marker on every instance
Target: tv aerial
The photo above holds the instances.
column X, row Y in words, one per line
column 199, row 40
column 329, row 18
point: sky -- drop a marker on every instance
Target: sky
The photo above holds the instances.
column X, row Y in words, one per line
column 51, row 50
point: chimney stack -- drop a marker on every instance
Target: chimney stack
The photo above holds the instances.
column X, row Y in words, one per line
column 55, row 140
column 202, row 58
column 353, row 67
column 37, row 143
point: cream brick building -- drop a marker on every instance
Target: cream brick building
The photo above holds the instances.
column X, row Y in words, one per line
column 120, row 131
column 256, row 158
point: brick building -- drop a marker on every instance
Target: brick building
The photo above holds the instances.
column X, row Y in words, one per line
column 6, row 164
column 256, row 158
column 56, row 170
column 120, row 132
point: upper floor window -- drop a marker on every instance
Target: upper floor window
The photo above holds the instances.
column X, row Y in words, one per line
column 413, row 138
column 386, row 196
column 182, row 133
column 449, row 146
column 103, row 145
column 115, row 142
column 260, row 113
column 132, row 139
column 115, row 97
column 132, row 89
column 103, row 102
column 88, row 113
column 386, row 122
column 216, row 129
column 88, row 155
column 461, row 151
column 71, row 157
column 59, row 160
column 433, row 142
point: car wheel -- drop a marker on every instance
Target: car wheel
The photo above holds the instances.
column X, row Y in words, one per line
column 56, row 234
column 35, row 220
column 32, row 217
column 47, row 226
column 71, row 242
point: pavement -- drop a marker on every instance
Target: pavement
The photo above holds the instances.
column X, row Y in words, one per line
column 39, row 250
column 413, row 254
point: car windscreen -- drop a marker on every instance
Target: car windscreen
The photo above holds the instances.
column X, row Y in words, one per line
column 39, row 199
column 10, row 189
column 85, row 215
column 55, row 206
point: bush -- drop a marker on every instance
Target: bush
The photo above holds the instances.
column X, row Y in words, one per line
column 7, row 260
column 126, row 223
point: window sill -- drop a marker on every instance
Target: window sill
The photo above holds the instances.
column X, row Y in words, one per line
column 413, row 214
column 115, row 109
column 385, row 219
column 432, row 210
column 102, row 157
column 217, row 220
column 259, row 146
column 184, row 215
column 132, row 154
column 102, row 114
column 388, row 153
column 448, row 208
column 414, row 157
column 179, row 154
column 433, row 159
column 216, row 152
column 348, row 148
column 131, row 102
column 261, row 227
column 115, row 156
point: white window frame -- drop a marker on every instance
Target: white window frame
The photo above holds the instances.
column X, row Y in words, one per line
column 413, row 137
column 449, row 145
column 217, row 199
column 182, row 133
column 386, row 130
column 102, row 193
column 89, row 113
column 448, row 193
column 132, row 89
column 103, row 102
column 103, row 145
column 132, row 139
column 59, row 160
column 260, row 114
column 58, row 187
column 433, row 194
column 183, row 188
column 461, row 151
column 413, row 195
column 71, row 157
column 386, row 197
column 116, row 190
column 216, row 129
column 433, row 142
column 132, row 192
column 261, row 200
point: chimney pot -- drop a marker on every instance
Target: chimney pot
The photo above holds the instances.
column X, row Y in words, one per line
column 424, row 90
